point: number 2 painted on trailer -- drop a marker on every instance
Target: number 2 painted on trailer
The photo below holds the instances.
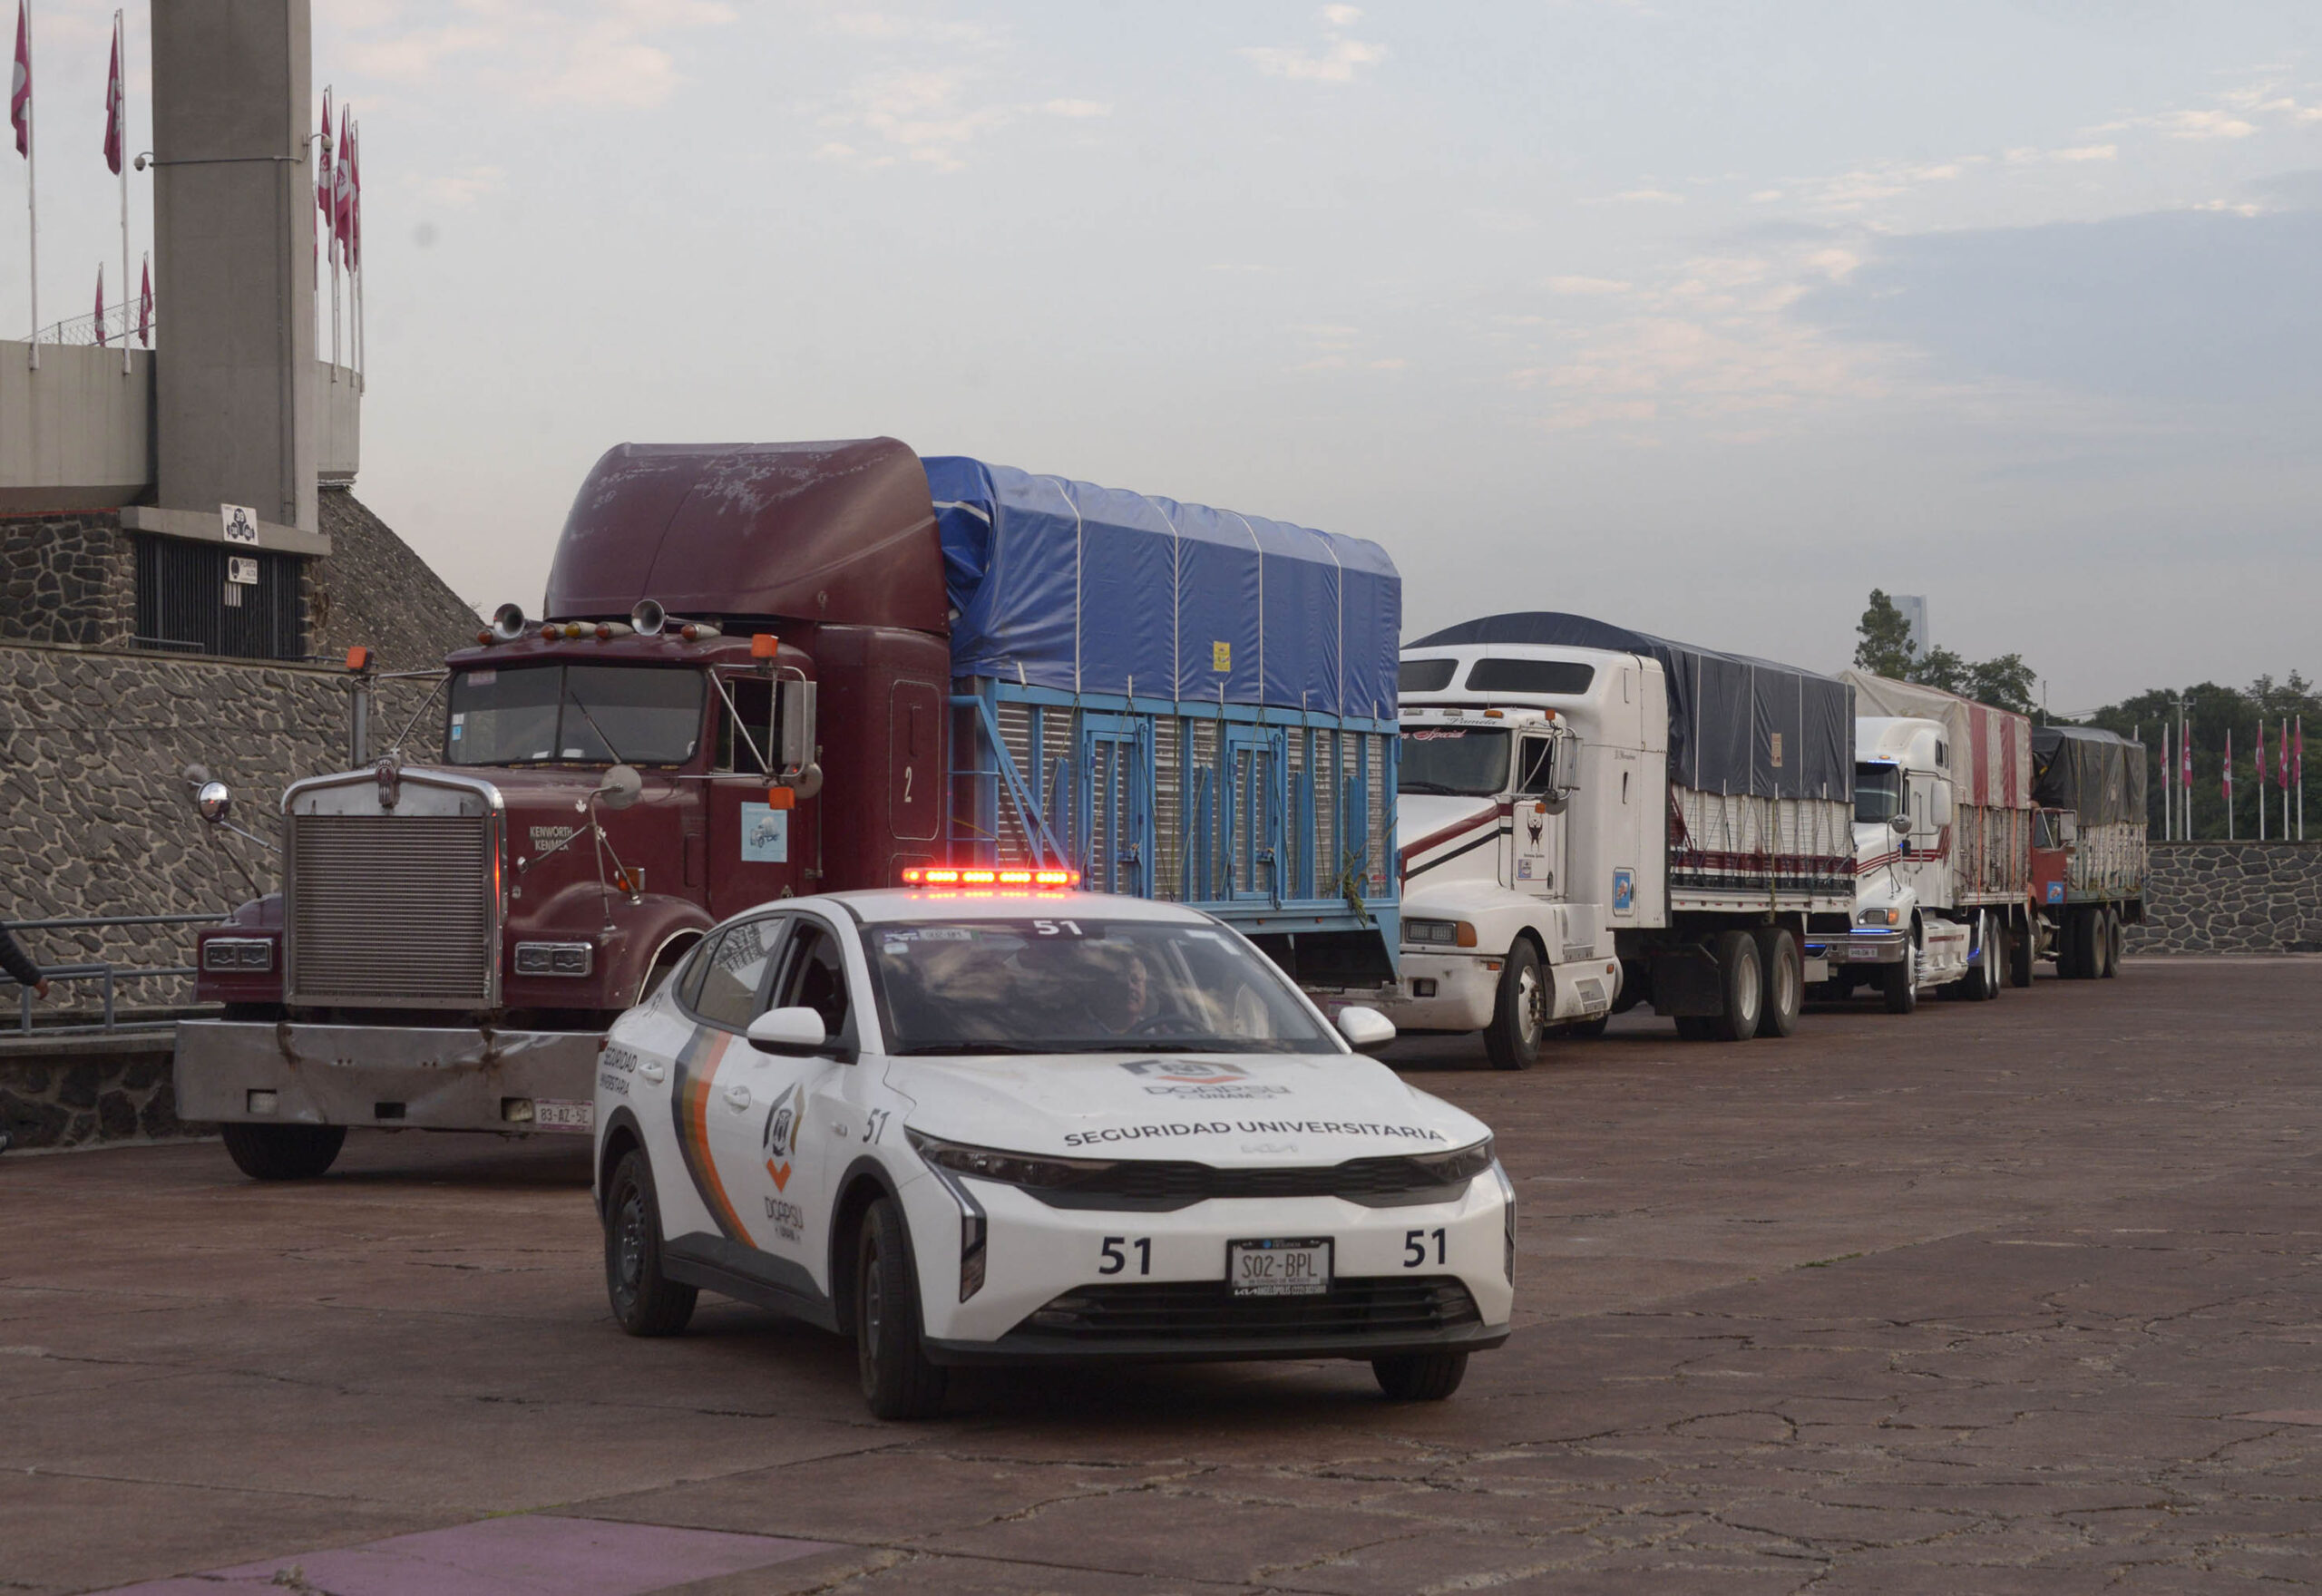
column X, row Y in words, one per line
column 906, row 783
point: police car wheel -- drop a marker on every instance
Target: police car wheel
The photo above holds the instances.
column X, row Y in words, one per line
column 1419, row 1377
column 282, row 1153
column 898, row 1382
column 646, row 1302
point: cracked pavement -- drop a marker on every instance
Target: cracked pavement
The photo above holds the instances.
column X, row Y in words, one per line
column 2017, row 1296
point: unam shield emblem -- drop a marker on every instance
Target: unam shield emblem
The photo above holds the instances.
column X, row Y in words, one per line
column 1184, row 1071
column 782, row 1136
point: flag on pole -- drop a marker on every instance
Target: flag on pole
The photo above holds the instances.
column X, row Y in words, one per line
column 2185, row 754
column 322, row 175
column 2284, row 757
column 2228, row 767
column 145, row 305
column 20, row 98
column 101, row 304
column 115, row 108
column 342, row 217
column 2258, row 769
column 354, row 203
column 2297, row 761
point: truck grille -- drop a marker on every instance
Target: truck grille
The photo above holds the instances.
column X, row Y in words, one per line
column 1207, row 1310
column 391, row 912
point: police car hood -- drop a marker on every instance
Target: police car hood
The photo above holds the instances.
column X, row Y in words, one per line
column 1242, row 1108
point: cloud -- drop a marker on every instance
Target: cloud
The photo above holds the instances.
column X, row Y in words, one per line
column 2089, row 152
column 606, row 55
column 1586, row 286
column 1077, row 108
column 1337, row 60
column 1643, row 196
column 461, row 189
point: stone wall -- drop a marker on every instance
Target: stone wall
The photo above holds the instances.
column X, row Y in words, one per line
column 86, row 1090
column 2232, row 898
column 375, row 590
column 67, row 579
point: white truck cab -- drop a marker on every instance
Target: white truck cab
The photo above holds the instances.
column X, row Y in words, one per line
column 1907, row 933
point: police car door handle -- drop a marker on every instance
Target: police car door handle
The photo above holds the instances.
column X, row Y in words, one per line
column 738, row 1095
column 652, row 1072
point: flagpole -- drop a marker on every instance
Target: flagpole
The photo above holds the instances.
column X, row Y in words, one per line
column 31, row 178
column 355, row 232
column 120, row 116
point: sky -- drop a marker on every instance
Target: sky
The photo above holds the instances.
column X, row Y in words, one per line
column 1702, row 318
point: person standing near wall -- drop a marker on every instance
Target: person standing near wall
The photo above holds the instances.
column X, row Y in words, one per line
column 19, row 965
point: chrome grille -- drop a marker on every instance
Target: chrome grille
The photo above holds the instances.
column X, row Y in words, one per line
column 392, row 912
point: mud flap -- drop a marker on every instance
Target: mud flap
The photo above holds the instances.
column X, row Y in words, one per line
column 1687, row 982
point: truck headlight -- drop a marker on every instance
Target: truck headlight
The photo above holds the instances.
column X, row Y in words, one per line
column 238, row 953
column 1438, row 933
column 556, row 958
column 1878, row 916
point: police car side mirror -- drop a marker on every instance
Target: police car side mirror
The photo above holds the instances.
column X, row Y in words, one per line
column 1366, row 1030
column 790, row 1033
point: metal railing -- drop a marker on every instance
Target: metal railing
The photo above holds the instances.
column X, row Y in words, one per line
column 120, row 323
column 108, row 975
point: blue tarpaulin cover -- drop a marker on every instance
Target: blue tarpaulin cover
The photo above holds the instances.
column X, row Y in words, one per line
column 1086, row 589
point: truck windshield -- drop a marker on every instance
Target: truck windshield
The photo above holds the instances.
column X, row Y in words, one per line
column 1878, row 792
column 1460, row 760
column 1069, row 985
column 573, row 714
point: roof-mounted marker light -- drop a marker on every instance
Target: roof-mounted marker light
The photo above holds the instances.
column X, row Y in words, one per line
column 695, row 632
column 764, row 645
column 607, row 630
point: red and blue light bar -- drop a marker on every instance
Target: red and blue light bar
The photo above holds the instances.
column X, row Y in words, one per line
column 946, row 875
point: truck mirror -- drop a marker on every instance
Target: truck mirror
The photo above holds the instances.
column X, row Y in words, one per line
column 215, row 801
column 1902, row 824
column 1943, row 804
column 797, row 750
column 621, row 787
column 1566, row 765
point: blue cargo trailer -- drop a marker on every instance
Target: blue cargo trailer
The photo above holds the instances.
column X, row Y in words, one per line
column 1181, row 703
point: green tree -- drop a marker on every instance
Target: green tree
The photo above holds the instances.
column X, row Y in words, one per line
column 2004, row 683
column 1885, row 649
column 2211, row 710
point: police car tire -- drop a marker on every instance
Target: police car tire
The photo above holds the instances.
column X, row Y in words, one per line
column 1419, row 1377
column 1505, row 1039
column 282, row 1153
column 898, row 1382
column 657, row 1305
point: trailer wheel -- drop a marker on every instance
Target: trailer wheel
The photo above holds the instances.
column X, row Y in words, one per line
column 1785, row 980
column 1742, row 986
column 2023, row 949
column 282, row 1153
column 1513, row 1038
column 1899, row 983
column 2076, row 959
column 2116, row 938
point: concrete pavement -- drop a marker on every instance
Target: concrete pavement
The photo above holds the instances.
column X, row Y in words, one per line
column 2013, row 1296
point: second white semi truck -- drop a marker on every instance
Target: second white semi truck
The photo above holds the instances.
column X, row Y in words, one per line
column 1592, row 817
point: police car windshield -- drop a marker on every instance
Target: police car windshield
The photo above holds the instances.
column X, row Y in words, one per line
column 1059, row 983
column 1467, row 761
column 574, row 715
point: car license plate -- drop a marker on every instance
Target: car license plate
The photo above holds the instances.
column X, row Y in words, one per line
column 1279, row 1268
column 549, row 1113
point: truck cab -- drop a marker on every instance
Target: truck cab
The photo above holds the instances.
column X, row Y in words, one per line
column 1906, row 933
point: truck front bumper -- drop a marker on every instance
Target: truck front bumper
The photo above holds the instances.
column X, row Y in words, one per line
column 1880, row 946
column 1441, row 992
column 460, row 1079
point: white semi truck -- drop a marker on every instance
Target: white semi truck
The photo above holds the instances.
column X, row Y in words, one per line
column 1592, row 817
column 1944, row 823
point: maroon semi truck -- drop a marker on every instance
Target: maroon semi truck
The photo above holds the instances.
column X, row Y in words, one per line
column 769, row 670
column 741, row 697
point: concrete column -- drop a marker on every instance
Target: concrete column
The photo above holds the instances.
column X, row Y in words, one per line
column 234, row 410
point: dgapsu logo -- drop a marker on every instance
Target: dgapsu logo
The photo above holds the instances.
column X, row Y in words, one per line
column 782, row 1136
column 1184, row 1072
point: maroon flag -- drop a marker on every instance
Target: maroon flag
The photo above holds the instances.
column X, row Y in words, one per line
column 20, row 98
column 2185, row 754
column 354, row 206
column 2228, row 768
column 145, row 306
column 322, row 176
column 342, row 216
column 101, row 304
column 115, row 108
column 2283, row 756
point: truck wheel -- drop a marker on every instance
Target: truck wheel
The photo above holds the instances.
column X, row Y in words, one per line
column 1982, row 980
column 898, row 1382
column 1513, row 1038
column 1742, row 986
column 646, row 1302
column 2116, row 940
column 2023, row 950
column 282, row 1153
column 1900, row 982
column 2076, row 961
column 1785, row 980
column 1419, row 1377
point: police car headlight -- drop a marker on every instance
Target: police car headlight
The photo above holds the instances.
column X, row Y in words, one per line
column 1464, row 1164
column 1012, row 1169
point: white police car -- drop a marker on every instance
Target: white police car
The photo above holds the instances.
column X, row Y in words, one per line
column 1017, row 1126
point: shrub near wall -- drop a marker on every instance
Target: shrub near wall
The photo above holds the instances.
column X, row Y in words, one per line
column 2232, row 898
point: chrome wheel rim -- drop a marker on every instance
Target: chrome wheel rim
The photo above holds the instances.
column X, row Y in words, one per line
column 1527, row 998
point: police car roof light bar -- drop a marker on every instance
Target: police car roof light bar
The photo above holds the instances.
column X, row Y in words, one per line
column 943, row 875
